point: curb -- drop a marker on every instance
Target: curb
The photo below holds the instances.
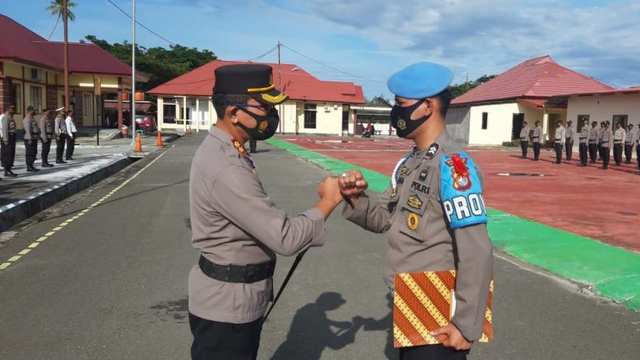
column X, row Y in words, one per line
column 606, row 270
column 18, row 211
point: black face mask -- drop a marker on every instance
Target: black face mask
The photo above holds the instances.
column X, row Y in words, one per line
column 401, row 119
column 267, row 124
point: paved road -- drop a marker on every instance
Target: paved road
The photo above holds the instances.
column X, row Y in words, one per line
column 111, row 284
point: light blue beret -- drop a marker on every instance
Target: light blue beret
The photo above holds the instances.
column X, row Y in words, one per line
column 420, row 80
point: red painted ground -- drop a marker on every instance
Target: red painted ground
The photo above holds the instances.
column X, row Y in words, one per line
column 599, row 204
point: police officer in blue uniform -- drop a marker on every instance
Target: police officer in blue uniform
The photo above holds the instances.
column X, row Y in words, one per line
column 433, row 210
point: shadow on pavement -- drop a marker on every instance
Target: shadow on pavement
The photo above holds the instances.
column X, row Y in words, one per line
column 312, row 331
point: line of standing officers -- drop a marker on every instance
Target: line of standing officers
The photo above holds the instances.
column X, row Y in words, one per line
column 46, row 130
column 594, row 142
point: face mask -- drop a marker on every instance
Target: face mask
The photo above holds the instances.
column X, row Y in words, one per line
column 267, row 124
column 401, row 119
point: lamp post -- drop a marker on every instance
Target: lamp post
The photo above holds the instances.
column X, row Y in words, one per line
column 66, row 56
column 133, row 73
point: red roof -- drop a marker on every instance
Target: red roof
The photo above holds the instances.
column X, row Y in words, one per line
column 296, row 82
column 539, row 78
column 630, row 90
column 19, row 43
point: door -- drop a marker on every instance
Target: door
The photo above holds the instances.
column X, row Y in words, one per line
column 516, row 126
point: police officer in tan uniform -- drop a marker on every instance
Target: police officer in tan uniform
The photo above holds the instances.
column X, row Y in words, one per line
column 568, row 139
column 628, row 144
column 31, row 138
column 638, row 147
column 584, row 143
column 8, row 152
column 600, row 134
column 433, row 210
column 559, row 141
column 537, row 141
column 47, row 127
column 593, row 142
column 619, row 138
column 524, row 139
column 60, row 128
column 605, row 144
column 236, row 227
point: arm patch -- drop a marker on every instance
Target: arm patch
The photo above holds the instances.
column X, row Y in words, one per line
column 461, row 191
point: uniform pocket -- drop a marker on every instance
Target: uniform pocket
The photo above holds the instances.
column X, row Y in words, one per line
column 414, row 218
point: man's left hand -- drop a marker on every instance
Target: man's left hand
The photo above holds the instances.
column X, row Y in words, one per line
column 452, row 337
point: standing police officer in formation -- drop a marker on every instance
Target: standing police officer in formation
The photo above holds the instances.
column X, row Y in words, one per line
column 559, row 141
column 638, row 147
column 628, row 144
column 605, row 145
column 568, row 142
column 584, row 147
column 47, row 135
column 236, row 227
column 31, row 138
column 537, row 141
column 429, row 226
column 60, row 128
column 524, row 139
column 600, row 134
column 71, row 135
column 618, row 141
column 593, row 142
column 8, row 131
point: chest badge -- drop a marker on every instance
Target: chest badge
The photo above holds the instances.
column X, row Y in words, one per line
column 404, row 171
column 414, row 202
column 423, row 175
column 412, row 221
column 394, row 192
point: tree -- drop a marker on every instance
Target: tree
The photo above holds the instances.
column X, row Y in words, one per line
column 57, row 8
column 160, row 64
column 457, row 90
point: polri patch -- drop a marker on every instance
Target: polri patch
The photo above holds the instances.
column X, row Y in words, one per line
column 420, row 187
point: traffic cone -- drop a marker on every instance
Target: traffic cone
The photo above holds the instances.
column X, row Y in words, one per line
column 138, row 143
column 159, row 140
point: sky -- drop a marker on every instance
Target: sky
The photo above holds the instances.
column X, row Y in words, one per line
column 366, row 41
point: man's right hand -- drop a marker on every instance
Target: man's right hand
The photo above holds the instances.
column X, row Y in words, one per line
column 352, row 185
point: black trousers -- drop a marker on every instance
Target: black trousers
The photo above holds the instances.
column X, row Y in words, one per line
column 71, row 144
column 432, row 352
column 253, row 145
column 593, row 152
column 606, row 156
column 30, row 153
column 583, row 153
column 601, row 152
column 214, row 340
column 536, row 150
column 8, row 152
column 46, row 148
column 558, row 152
column 617, row 153
column 524, row 146
column 60, row 141
column 638, row 155
column 569, row 149
column 628, row 152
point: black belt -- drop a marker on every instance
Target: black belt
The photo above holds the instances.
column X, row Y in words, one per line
column 235, row 273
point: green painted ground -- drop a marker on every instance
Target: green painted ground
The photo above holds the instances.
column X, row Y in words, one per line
column 612, row 272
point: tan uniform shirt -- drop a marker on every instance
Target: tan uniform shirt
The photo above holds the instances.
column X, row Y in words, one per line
column 537, row 135
column 524, row 133
column 31, row 128
column 619, row 136
column 430, row 246
column 568, row 135
column 584, row 134
column 599, row 134
column 631, row 137
column 60, row 126
column 593, row 135
column 607, row 138
column 47, row 128
column 8, row 126
column 560, row 135
column 235, row 223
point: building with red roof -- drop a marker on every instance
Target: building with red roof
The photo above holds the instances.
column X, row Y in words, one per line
column 493, row 112
column 32, row 74
column 314, row 106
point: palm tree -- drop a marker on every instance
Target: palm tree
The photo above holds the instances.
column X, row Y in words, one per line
column 57, row 8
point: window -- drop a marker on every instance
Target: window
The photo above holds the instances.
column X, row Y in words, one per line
column 485, row 120
column 622, row 119
column 16, row 97
column 35, row 93
column 345, row 117
column 310, row 111
column 169, row 113
column 86, row 104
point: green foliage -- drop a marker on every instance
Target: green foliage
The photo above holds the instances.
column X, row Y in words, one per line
column 457, row 90
column 57, row 8
column 158, row 63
